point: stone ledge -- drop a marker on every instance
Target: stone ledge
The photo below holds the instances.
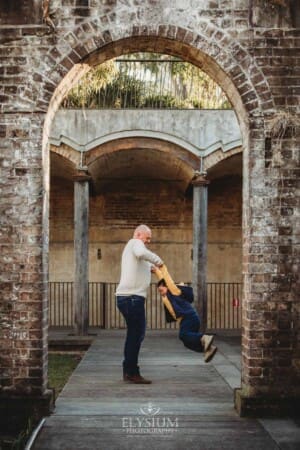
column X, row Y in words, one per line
column 15, row 410
column 266, row 406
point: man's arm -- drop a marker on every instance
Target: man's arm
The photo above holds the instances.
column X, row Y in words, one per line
column 141, row 252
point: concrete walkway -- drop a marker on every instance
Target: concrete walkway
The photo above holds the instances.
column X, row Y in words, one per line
column 188, row 405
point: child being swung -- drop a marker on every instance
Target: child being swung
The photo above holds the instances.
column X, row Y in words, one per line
column 177, row 301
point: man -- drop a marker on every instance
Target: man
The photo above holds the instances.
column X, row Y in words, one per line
column 177, row 301
column 131, row 292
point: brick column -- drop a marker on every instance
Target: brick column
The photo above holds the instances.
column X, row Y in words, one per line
column 81, row 248
column 200, row 184
column 24, row 389
column 270, row 383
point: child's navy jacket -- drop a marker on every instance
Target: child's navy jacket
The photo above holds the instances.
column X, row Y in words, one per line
column 182, row 303
column 177, row 302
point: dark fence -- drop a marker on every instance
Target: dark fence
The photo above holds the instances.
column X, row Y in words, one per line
column 223, row 306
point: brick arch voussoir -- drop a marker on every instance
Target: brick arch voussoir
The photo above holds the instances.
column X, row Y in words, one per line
column 208, row 47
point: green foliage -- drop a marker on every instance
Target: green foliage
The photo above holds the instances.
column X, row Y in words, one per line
column 146, row 80
column 83, row 94
column 60, row 367
column 161, row 101
column 122, row 92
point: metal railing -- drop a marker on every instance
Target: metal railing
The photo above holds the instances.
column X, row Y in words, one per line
column 224, row 301
column 223, row 306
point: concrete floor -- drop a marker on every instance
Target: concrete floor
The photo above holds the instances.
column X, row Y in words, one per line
column 189, row 404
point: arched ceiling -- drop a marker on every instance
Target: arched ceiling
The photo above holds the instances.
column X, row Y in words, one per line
column 115, row 164
column 140, row 165
column 140, row 159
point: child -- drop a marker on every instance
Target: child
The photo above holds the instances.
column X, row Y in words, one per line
column 177, row 301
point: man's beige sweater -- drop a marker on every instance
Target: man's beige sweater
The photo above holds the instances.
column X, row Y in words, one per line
column 136, row 268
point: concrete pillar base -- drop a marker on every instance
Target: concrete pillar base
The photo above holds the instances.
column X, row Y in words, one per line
column 265, row 405
column 17, row 410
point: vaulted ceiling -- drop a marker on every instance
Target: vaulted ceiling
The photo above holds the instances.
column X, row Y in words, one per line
column 114, row 165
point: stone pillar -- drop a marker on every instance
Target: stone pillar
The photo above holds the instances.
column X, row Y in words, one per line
column 200, row 184
column 81, row 249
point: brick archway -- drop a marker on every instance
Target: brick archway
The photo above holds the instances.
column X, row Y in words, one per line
column 212, row 50
column 220, row 56
column 228, row 63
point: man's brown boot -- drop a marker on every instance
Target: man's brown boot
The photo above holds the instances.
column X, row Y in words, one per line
column 136, row 379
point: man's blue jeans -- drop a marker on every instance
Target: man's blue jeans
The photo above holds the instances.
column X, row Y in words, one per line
column 189, row 332
column 133, row 309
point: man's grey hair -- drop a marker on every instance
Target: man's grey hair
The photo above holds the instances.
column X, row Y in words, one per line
column 141, row 229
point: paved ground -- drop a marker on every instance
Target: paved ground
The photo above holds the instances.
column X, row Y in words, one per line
column 189, row 404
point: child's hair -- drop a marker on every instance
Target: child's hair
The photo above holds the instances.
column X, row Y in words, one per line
column 162, row 283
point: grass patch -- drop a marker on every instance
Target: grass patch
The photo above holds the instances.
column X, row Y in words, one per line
column 60, row 367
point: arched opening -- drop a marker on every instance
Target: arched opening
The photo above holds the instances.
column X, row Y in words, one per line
column 176, row 48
